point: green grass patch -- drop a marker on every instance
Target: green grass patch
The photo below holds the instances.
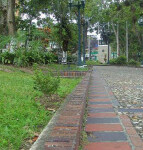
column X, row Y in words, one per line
column 66, row 86
column 21, row 113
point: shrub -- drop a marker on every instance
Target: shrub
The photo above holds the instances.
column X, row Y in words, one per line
column 72, row 58
column 132, row 62
column 7, row 57
column 48, row 84
column 92, row 63
column 113, row 61
column 50, row 58
column 121, row 60
column 25, row 58
column 20, row 58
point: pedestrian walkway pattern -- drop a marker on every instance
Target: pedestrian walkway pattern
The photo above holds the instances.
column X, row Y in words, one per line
column 105, row 129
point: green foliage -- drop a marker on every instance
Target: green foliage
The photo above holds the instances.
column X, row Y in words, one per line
column 46, row 83
column 121, row 60
column 113, row 61
column 132, row 62
column 92, row 63
column 66, row 86
column 72, row 59
column 22, row 58
column 122, row 13
column 4, row 40
column 7, row 57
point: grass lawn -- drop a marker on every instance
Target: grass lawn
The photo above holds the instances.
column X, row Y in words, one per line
column 21, row 113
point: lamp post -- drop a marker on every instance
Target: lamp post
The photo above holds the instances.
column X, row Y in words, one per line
column 85, row 24
column 108, row 39
column 79, row 5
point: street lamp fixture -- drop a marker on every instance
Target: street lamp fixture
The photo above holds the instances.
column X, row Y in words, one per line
column 79, row 5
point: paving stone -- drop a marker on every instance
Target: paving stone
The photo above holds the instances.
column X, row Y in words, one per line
column 96, row 103
column 99, row 100
column 136, row 141
column 108, row 146
column 130, row 110
column 103, row 127
column 102, row 115
column 107, row 136
column 102, row 120
column 101, row 106
column 99, row 97
column 91, row 110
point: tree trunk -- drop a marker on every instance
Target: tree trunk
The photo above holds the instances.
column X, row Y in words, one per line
column 116, row 32
column 127, row 42
column 3, row 16
column 118, row 47
column 11, row 17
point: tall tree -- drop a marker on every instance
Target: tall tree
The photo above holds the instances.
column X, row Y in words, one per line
column 7, row 17
column 3, row 16
column 11, row 17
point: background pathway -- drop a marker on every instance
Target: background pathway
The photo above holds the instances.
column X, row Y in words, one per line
column 105, row 127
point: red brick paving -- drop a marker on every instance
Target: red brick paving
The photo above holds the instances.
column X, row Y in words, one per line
column 99, row 100
column 103, row 127
column 131, row 130
column 101, row 106
column 102, row 115
column 98, row 95
column 108, row 146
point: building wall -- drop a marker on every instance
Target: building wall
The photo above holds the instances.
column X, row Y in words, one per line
column 103, row 53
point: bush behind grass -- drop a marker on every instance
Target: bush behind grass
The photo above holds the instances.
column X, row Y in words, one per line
column 47, row 83
column 132, row 62
column 121, row 60
column 92, row 63
column 20, row 115
column 23, row 58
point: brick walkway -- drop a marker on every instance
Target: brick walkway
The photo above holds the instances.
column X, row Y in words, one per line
column 106, row 130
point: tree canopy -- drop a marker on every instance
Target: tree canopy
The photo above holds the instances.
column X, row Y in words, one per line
column 121, row 16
